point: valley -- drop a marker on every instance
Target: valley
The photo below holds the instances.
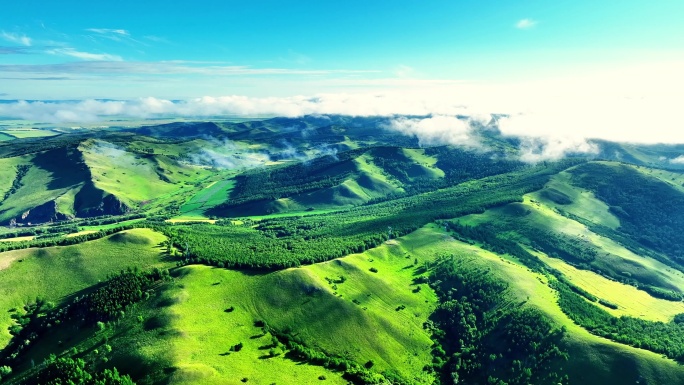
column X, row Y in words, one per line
column 331, row 249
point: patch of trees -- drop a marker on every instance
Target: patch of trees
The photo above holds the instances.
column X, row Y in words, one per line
column 122, row 290
column 67, row 241
column 460, row 165
column 660, row 337
column 291, row 179
column 489, row 236
column 263, row 185
column 650, row 211
column 657, row 292
column 41, row 231
column 286, row 242
column 483, row 336
column 556, row 196
column 69, row 371
column 353, row 371
column 107, row 302
column 573, row 250
column 22, row 169
column 109, row 219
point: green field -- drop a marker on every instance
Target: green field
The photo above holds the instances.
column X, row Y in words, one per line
column 21, row 133
column 57, row 272
column 212, row 195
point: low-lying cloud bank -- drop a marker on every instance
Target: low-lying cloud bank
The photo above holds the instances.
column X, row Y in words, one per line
column 549, row 123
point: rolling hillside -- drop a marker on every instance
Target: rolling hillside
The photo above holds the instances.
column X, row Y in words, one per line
column 334, row 250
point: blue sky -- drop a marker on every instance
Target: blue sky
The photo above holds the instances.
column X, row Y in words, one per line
column 131, row 49
column 560, row 69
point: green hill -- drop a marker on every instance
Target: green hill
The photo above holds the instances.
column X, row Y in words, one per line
column 331, row 249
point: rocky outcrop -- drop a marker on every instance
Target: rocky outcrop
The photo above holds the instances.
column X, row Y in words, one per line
column 45, row 213
column 109, row 205
column 94, row 202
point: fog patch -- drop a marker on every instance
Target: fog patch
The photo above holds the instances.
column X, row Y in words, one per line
column 677, row 160
column 437, row 130
column 225, row 154
column 535, row 150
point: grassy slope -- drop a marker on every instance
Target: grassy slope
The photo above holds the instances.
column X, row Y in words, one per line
column 204, row 334
column 333, row 323
column 153, row 181
column 39, row 186
column 593, row 360
column 301, row 299
column 8, row 171
column 612, row 255
column 584, row 205
column 369, row 178
column 4, row 137
column 130, row 177
column 213, row 194
column 368, row 182
column 186, row 328
column 56, row 272
column 631, row 301
column 424, row 165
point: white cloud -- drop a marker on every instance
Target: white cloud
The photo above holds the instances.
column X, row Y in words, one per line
column 107, row 31
column 538, row 149
column 678, row 160
column 639, row 104
column 84, row 55
column 436, row 130
column 16, row 38
column 525, row 23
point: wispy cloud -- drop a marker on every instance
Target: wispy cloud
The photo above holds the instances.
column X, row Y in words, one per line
column 113, row 64
column 38, row 78
column 117, row 35
column 14, row 50
column 108, row 31
column 525, row 23
column 84, row 55
column 16, row 38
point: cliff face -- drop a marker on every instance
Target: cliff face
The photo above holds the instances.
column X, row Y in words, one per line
column 93, row 202
column 47, row 212
column 110, row 205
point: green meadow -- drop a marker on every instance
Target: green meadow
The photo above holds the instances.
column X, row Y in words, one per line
column 55, row 273
column 22, row 133
column 357, row 318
